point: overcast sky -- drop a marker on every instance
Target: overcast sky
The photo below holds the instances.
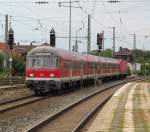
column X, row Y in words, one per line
column 32, row 22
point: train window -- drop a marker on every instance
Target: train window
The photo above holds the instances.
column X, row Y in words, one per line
column 68, row 64
column 42, row 61
column 95, row 65
column 34, row 62
column 49, row 61
column 81, row 65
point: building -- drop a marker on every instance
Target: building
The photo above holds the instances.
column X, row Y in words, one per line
column 18, row 49
column 124, row 53
column 23, row 49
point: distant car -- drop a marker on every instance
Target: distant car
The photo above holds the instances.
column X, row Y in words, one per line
column 51, row 69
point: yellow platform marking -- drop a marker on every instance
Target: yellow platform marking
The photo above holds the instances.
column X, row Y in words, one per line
column 128, row 123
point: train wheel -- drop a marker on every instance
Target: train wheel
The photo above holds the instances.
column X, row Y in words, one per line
column 37, row 92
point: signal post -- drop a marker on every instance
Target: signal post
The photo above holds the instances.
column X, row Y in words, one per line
column 100, row 44
column 10, row 43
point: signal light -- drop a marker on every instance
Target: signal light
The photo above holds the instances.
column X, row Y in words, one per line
column 52, row 38
column 11, row 38
column 100, row 39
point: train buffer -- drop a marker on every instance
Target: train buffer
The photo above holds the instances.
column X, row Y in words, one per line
column 128, row 110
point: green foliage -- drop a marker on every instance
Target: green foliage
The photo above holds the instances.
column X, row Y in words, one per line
column 18, row 65
column 3, row 63
column 145, row 69
column 105, row 53
column 129, row 71
column 142, row 56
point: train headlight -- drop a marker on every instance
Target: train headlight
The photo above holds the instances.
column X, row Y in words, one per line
column 51, row 75
column 31, row 75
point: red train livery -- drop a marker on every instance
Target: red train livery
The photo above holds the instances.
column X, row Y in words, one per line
column 50, row 69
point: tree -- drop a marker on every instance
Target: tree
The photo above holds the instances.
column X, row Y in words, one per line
column 105, row 53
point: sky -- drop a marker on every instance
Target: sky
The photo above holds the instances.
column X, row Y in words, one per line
column 32, row 22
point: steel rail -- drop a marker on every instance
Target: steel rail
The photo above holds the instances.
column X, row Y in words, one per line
column 4, row 102
column 15, row 105
column 15, row 81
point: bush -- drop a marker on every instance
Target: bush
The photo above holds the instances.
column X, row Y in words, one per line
column 3, row 63
column 18, row 65
column 129, row 71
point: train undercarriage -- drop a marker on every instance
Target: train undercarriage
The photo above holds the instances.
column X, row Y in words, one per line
column 41, row 87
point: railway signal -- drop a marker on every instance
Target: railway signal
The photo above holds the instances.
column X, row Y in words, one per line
column 100, row 41
column 11, row 38
column 52, row 38
column 10, row 43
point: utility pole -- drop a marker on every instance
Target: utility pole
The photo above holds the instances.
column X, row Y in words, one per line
column 144, row 62
column 76, row 43
column 114, row 40
column 103, row 41
column 6, row 30
column 134, row 52
column 70, row 11
column 89, row 35
column 70, row 27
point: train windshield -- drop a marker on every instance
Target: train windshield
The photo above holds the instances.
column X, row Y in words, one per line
column 42, row 61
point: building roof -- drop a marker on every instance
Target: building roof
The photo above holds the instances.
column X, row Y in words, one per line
column 23, row 49
column 19, row 49
column 123, row 51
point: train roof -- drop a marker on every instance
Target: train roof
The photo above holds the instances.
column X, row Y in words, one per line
column 67, row 55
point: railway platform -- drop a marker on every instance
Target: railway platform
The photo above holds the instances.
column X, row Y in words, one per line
column 128, row 110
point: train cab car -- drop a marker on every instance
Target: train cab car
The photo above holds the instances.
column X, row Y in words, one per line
column 42, row 70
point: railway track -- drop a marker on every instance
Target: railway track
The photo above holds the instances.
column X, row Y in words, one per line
column 15, row 81
column 4, row 102
column 19, row 102
column 73, row 117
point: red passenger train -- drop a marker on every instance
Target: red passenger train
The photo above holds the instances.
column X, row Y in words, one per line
column 51, row 69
